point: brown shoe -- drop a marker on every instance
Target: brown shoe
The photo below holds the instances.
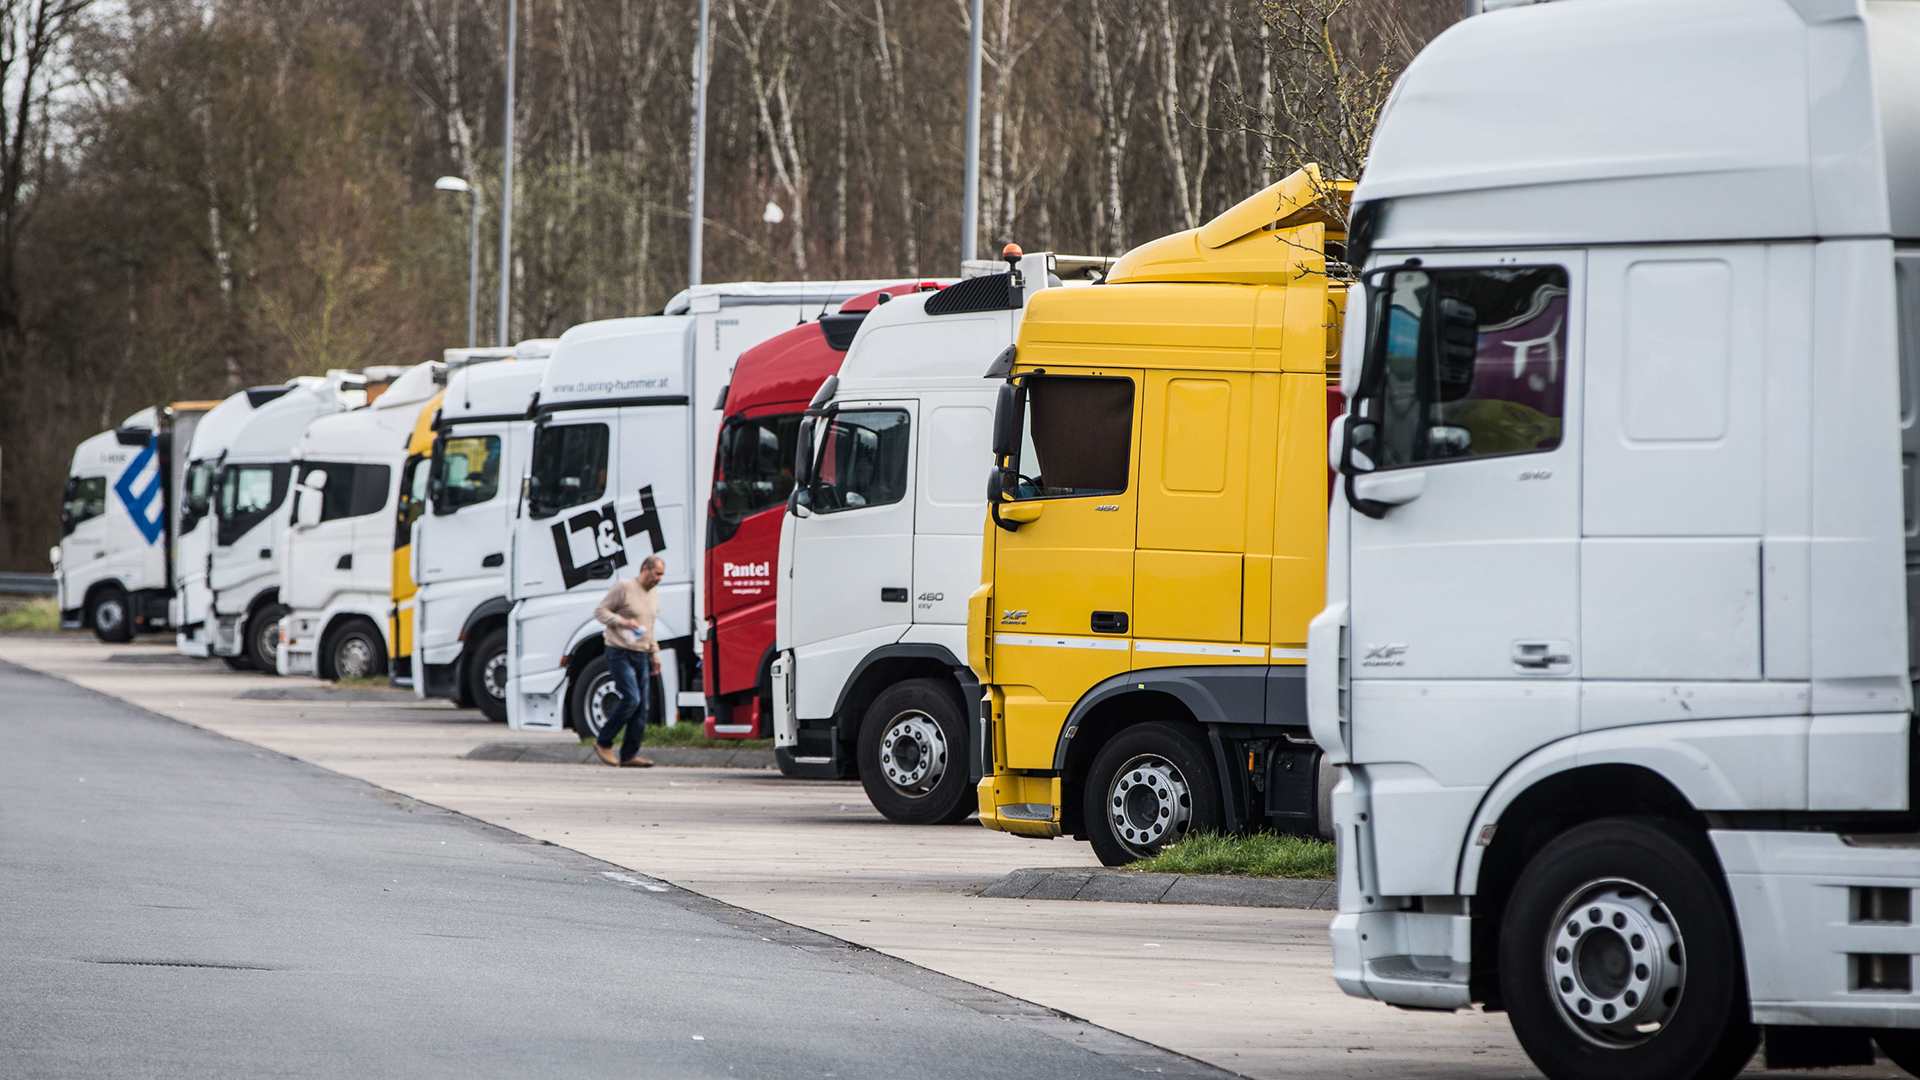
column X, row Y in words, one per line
column 606, row 754
column 636, row 762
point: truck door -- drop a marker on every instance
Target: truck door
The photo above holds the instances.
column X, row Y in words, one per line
column 852, row 566
column 955, row 437
column 467, row 537
column 1063, row 582
column 371, row 565
column 246, row 497
column 1463, row 595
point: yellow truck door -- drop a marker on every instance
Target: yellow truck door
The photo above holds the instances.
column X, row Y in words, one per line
column 1063, row 579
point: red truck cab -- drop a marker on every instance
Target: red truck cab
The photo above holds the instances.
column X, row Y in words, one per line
column 752, row 476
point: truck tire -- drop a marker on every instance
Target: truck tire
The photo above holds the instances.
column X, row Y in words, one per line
column 354, row 651
column 110, row 614
column 1619, row 960
column 263, row 637
column 913, row 755
column 487, row 675
column 238, row 663
column 1150, row 786
column 590, row 698
column 1902, row 1047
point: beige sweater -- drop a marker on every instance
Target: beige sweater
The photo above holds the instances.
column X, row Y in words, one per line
column 627, row 600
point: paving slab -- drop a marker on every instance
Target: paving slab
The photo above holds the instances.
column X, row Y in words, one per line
column 1244, row 988
column 582, row 754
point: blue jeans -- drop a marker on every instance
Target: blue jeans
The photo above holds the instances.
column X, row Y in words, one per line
column 632, row 674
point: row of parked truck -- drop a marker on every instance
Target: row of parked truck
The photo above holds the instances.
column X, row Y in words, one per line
column 1537, row 518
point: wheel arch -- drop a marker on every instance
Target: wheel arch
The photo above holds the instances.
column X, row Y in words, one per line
column 891, row 664
column 488, row 615
column 1530, row 817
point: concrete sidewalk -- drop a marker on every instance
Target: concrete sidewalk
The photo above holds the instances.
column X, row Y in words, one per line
column 1247, row 989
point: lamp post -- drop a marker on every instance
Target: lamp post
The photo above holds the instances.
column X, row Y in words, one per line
column 970, row 195
column 696, row 240
column 454, row 183
column 506, row 187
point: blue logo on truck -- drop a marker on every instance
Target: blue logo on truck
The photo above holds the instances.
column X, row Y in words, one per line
column 144, row 506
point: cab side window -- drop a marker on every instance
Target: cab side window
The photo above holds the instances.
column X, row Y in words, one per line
column 199, row 495
column 569, row 467
column 468, row 471
column 86, row 499
column 413, row 499
column 863, row 461
column 1466, row 363
column 247, row 495
column 1077, row 438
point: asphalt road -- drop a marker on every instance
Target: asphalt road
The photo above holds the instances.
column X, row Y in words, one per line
column 173, row 903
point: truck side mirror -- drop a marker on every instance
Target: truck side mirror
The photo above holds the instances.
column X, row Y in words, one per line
column 1006, row 420
column 1359, row 441
column 802, row 497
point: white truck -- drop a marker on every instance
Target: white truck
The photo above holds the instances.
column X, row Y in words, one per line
column 1621, row 602
column 250, row 509
column 482, row 436
column 336, row 554
column 880, row 549
column 118, row 524
column 624, row 429
column 195, row 523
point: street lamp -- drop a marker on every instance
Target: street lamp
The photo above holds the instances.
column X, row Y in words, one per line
column 454, row 183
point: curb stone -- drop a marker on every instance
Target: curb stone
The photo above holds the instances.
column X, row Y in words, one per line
column 560, row 753
column 321, row 693
column 1128, row 887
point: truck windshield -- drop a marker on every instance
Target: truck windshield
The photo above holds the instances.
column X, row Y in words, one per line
column 1077, row 437
column 863, row 461
column 1466, row 363
column 569, row 467
column 753, row 470
column 85, row 500
column 469, row 472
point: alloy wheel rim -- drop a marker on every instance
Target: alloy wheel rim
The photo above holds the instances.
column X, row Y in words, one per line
column 598, row 700
column 109, row 615
column 1149, row 804
column 1615, row 963
column 494, row 677
column 913, row 754
column 354, row 660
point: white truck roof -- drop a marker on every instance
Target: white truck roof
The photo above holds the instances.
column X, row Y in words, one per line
column 273, row 430
column 217, row 428
column 1591, row 121
column 617, row 360
column 499, row 389
column 901, row 347
column 701, row 298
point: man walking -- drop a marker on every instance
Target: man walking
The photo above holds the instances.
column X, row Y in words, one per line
column 633, row 658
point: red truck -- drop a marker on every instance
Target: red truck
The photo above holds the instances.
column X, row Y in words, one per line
column 771, row 387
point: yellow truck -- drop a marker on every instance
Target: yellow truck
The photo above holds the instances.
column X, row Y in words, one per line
column 412, row 503
column 1157, row 542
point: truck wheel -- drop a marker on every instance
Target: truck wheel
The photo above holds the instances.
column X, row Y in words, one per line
column 1618, row 959
column 263, row 637
column 1150, row 786
column 913, row 755
column 355, row 651
column 592, row 696
column 111, row 615
column 1903, row 1047
column 487, row 675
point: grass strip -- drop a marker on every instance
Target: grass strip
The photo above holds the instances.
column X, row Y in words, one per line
column 35, row 616
column 695, row 735
column 1260, row 854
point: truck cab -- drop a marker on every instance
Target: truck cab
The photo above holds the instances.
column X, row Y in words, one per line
column 1157, row 508
column 111, row 565
column 480, row 441
column 1616, row 655
column 200, row 456
column 878, row 550
column 628, row 412
column 336, row 556
column 250, row 512
column 765, row 399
